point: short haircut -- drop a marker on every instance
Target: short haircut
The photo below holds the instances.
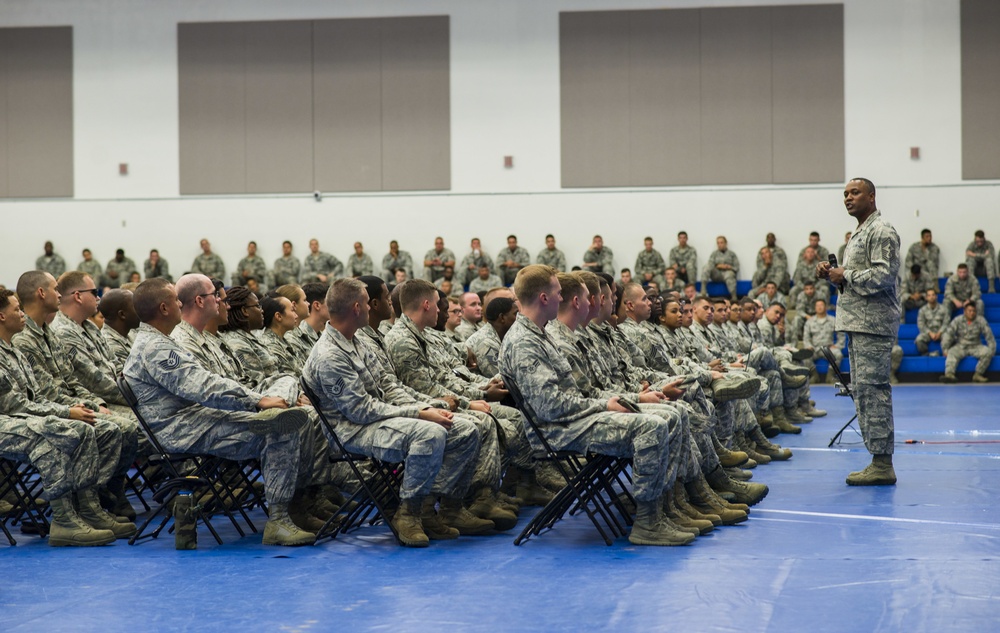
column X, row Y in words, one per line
column 512, row 237
column 719, row 301
column 777, row 304
column 960, row 267
column 571, row 284
column 69, row 281
column 29, row 283
column 591, row 280
column 690, row 284
column 632, row 290
column 550, row 235
column 498, row 307
column 747, row 301
column 288, row 291
column 373, row 285
column 315, row 291
column 808, row 282
column 113, row 301
column 606, row 278
column 413, row 291
column 343, row 294
column 702, row 299
column 869, row 184
column 251, row 242
column 680, row 233
column 980, row 233
column 970, row 304
column 626, row 270
column 271, row 306
column 531, row 281
column 188, row 287
column 814, row 234
column 925, row 232
column 5, row 296
column 287, row 242
column 148, row 297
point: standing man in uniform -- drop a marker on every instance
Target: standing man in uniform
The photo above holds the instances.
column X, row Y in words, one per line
column 868, row 311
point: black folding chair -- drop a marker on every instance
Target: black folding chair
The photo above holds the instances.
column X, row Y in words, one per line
column 378, row 494
column 21, row 486
column 843, row 389
column 203, row 471
column 593, row 483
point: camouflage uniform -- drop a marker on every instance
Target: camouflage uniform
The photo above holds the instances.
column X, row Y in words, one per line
column 807, row 272
column 729, row 277
column 572, row 421
column 931, row 320
column 390, row 264
column 359, row 266
column 821, row 332
column 767, row 301
column 928, row 258
column 481, row 285
column 40, row 418
column 822, row 255
column 476, row 261
column 301, row 340
column 118, row 345
column 90, row 358
column 374, row 416
column 868, row 311
column 210, row 265
column 765, row 273
column 467, row 328
column 485, row 346
column 921, row 284
column 648, row 262
column 374, row 340
column 253, row 357
column 286, row 271
column 193, row 410
column 57, row 382
column 124, row 268
column 686, row 258
column 778, row 272
column 519, row 256
column 65, row 452
column 284, row 355
column 53, row 264
column 963, row 290
column 805, row 306
column 320, row 264
column 257, row 268
column 433, row 273
column 984, row 256
column 554, row 258
column 161, row 270
column 95, row 270
column 963, row 338
column 604, row 260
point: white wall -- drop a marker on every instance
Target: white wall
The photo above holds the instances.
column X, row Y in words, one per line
column 902, row 89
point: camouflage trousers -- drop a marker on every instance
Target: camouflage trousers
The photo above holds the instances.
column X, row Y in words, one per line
column 133, row 440
column 642, row 437
column 726, row 276
column 438, row 461
column 923, row 342
column 683, row 458
column 65, row 452
column 956, row 353
column 487, row 469
column 984, row 264
column 285, row 458
column 870, row 367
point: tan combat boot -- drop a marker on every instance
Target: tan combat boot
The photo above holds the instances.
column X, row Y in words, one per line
column 67, row 529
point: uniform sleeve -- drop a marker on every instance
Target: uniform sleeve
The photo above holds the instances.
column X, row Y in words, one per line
column 337, row 384
column 176, row 371
column 541, row 387
column 883, row 249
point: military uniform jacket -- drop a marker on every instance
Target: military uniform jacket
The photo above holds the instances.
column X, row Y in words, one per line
column 604, row 259
column 764, row 274
column 124, row 268
column 210, row 265
column 256, row 268
column 208, row 352
column 728, row 257
column 822, row 255
column 359, row 266
column 161, row 270
column 301, row 339
column 286, row 271
column 649, row 262
column 928, row 258
column 767, row 301
column 479, row 284
column 320, row 264
column 554, row 258
column 352, row 388
column 686, row 258
column 869, row 302
column 962, row 332
column 981, row 251
column 660, row 352
column 52, row 264
column 933, row 319
column 963, row 290
column 519, row 256
column 770, row 336
column 51, row 365
column 819, row 333
column 167, row 380
column 805, row 271
column 390, row 264
column 281, row 351
column 779, row 260
column 805, row 304
column 374, row 341
column 921, row 284
column 89, row 356
column 118, row 345
column 19, row 391
column 467, row 328
column 409, row 350
column 485, row 346
column 94, row 269
column 530, row 358
column 476, row 261
column 256, row 362
column 446, row 255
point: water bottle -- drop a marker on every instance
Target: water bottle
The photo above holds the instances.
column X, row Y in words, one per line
column 185, row 522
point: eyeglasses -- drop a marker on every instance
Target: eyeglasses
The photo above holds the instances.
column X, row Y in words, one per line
column 455, row 311
column 215, row 294
column 256, row 305
column 92, row 291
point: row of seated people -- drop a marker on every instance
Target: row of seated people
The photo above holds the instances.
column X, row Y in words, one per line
column 402, row 393
column 439, row 262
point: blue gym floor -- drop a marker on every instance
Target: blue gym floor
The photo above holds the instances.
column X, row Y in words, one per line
column 816, row 555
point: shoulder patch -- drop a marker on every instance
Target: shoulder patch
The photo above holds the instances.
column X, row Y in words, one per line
column 171, row 361
column 338, row 387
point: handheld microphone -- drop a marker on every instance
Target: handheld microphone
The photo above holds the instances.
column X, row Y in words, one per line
column 833, row 264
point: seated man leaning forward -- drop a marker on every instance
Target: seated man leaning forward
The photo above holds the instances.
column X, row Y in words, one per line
column 192, row 410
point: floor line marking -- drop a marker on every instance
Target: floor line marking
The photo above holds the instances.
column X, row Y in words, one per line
column 865, row 517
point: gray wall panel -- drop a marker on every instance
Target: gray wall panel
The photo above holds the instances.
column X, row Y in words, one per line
column 212, row 100
column 416, row 103
column 736, row 95
column 594, row 98
column 279, row 107
column 664, row 98
column 980, row 89
column 347, row 98
column 4, row 143
column 40, row 112
column 808, row 75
